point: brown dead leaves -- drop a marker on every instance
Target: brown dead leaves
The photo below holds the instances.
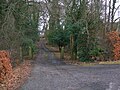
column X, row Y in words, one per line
column 10, row 79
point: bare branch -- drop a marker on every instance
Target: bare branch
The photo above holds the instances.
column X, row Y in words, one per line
column 116, row 19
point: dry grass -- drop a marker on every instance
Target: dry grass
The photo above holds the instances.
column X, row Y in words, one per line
column 110, row 62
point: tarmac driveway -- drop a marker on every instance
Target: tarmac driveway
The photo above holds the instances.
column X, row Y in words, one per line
column 49, row 73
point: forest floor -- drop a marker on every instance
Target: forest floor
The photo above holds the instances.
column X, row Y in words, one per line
column 17, row 76
column 51, row 73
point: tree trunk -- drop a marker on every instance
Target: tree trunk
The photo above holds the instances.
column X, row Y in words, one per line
column 112, row 14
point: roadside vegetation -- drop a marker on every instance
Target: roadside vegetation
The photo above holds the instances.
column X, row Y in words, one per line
column 87, row 30
column 18, row 37
column 18, row 27
column 81, row 30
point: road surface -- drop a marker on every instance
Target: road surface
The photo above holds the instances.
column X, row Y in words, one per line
column 50, row 73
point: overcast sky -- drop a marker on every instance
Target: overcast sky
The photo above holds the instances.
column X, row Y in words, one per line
column 118, row 11
column 117, row 14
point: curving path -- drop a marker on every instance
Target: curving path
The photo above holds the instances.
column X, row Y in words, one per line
column 49, row 73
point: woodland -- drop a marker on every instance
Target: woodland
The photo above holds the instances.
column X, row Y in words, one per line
column 86, row 29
